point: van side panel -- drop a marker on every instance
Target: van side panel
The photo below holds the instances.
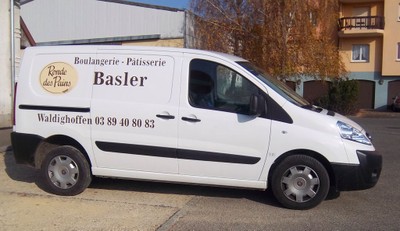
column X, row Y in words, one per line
column 134, row 111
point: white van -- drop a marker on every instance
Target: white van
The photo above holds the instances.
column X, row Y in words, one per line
column 180, row 115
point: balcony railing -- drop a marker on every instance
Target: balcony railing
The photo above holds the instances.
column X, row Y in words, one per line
column 370, row 22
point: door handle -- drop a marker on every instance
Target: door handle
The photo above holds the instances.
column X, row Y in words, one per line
column 168, row 117
column 188, row 119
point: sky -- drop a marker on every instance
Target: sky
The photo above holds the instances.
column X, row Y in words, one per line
column 180, row 4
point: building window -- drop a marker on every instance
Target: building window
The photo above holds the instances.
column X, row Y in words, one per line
column 313, row 18
column 398, row 52
column 398, row 13
column 360, row 53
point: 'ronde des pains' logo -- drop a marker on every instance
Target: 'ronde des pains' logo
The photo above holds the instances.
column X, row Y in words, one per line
column 58, row 77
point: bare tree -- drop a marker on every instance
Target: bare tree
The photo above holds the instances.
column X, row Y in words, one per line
column 287, row 38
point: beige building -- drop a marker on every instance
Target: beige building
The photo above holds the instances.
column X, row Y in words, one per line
column 369, row 42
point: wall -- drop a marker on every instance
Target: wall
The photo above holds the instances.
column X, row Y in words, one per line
column 5, row 65
column 6, row 79
column 375, row 54
column 377, row 8
column 391, row 66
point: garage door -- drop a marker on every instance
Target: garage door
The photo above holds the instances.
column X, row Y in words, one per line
column 393, row 90
column 366, row 94
column 313, row 90
column 291, row 85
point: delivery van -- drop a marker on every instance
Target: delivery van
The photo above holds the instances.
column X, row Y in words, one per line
column 183, row 116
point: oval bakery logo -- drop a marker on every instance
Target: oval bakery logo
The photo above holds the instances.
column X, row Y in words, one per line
column 58, row 77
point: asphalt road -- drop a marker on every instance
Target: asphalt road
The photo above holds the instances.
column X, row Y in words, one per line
column 110, row 204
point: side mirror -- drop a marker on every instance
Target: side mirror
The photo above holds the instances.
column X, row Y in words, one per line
column 257, row 105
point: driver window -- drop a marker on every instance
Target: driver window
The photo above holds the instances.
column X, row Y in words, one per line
column 217, row 87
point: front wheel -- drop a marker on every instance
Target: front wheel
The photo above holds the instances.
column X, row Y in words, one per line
column 65, row 171
column 300, row 182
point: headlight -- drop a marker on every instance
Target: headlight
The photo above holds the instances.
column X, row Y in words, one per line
column 351, row 133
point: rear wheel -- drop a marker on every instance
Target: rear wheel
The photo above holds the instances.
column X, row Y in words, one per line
column 65, row 171
column 300, row 182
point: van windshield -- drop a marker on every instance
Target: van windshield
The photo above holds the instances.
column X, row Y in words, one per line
column 276, row 85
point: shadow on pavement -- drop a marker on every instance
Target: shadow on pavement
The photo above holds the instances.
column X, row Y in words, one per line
column 265, row 197
column 18, row 172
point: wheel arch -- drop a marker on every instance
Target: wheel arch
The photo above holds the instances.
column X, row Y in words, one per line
column 306, row 152
column 54, row 141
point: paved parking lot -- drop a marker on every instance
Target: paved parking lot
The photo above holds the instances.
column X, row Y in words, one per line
column 131, row 205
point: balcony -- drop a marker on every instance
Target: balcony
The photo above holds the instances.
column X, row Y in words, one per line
column 370, row 22
column 361, row 26
column 359, row 1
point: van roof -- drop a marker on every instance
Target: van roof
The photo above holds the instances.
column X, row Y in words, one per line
column 94, row 48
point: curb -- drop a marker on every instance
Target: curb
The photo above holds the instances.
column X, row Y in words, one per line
column 376, row 114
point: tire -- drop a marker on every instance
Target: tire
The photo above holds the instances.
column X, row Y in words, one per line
column 65, row 171
column 300, row 182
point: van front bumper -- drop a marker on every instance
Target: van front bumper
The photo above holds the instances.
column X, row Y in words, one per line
column 358, row 177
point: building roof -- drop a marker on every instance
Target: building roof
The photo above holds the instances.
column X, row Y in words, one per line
column 76, row 21
column 26, row 36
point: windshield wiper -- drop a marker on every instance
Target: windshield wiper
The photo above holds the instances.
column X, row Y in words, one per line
column 312, row 108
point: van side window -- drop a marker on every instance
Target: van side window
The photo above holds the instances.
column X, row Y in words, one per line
column 217, row 87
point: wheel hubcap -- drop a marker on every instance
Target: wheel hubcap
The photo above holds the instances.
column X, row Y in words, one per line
column 300, row 183
column 63, row 172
